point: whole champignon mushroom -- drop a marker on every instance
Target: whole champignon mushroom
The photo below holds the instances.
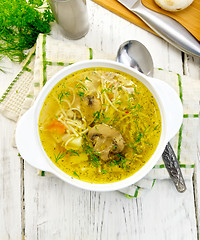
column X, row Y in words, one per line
column 106, row 140
column 90, row 104
column 173, row 5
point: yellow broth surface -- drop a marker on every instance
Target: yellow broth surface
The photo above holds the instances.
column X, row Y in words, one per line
column 100, row 125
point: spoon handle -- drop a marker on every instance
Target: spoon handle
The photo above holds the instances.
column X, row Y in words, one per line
column 173, row 168
column 168, row 28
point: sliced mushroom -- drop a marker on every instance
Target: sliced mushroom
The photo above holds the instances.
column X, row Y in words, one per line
column 106, row 140
column 92, row 84
column 90, row 105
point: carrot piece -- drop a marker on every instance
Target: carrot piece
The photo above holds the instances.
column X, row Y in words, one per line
column 56, row 126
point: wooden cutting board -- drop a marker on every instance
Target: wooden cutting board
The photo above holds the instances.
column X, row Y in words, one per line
column 189, row 17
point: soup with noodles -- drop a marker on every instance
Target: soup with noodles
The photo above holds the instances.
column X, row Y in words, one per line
column 100, row 125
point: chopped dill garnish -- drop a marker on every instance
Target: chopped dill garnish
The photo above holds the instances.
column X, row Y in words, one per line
column 81, row 86
column 103, row 171
column 97, row 116
column 140, row 134
column 147, row 129
column 73, row 152
column 63, row 154
column 67, row 94
column 136, row 107
column 81, row 89
column 80, row 94
column 135, row 90
column 138, row 137
column 62, row 94
column 121, row 161
column 59, row 156
column 131, row 96
column 110, row 90
column 100, row 117
column 75, row 174
column 93, row 156
column 105, row 119
column 133, row 146
column 118, row 101
column 156, row 127
column 88, row 79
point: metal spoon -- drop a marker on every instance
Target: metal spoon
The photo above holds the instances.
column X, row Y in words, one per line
column 134, row 54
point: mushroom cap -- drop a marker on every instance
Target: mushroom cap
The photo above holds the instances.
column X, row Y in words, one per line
column 173, row 5
column 106, row 140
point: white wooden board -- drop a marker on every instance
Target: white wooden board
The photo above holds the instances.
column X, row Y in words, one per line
column 34, row 207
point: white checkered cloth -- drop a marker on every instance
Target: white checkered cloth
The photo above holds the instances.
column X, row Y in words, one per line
column 51, row 55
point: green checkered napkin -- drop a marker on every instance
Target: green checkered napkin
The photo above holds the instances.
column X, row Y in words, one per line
column 50, row 55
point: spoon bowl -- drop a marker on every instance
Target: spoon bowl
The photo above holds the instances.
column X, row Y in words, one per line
column 134, row 54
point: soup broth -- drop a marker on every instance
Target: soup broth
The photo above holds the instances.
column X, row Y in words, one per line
column 100, row 125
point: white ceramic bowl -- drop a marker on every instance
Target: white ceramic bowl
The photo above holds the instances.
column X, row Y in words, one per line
column 30, row 147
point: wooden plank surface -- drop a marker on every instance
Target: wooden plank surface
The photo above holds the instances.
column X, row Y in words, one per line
column 188, row 17
column 40, row 208
column 11, row 189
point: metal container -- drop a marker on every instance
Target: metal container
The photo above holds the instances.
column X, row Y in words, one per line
column 71, row 16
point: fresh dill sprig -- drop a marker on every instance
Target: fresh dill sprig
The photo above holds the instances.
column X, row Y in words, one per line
column 20, row 23
column 61, row 155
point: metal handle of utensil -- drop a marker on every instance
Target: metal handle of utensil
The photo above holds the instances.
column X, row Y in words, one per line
column 168, row 28
column 173, row 168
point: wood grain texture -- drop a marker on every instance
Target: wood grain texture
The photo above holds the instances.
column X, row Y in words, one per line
column 11, row 189
column 10, row 185
column 45, row 208
column 188, row 17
